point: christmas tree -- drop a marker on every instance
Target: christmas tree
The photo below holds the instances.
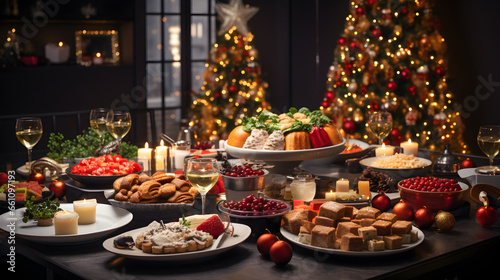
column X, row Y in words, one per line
column 232, row 86
column 391, row 57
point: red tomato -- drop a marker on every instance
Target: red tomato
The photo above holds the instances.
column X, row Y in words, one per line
column 110, row 158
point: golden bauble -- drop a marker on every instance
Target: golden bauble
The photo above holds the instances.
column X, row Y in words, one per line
column 444, row 221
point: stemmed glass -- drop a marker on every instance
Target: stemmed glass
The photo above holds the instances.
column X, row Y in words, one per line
column 488, row 140
column 202, row 173
column 380, row 124
column 118, row 124
column 98, row 122
column 29, row 132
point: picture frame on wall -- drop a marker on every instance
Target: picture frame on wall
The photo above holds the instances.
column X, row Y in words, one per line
column 97, row 47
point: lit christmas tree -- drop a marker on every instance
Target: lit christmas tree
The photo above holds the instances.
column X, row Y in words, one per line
column 391, row 57
column 232, row 86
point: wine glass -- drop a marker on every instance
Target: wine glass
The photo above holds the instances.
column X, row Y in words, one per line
column 118, row 124
column 202, row 173
column 98, row 122
column 303, row 187
column 488, row 140
column 29, row 132
column 380, row 124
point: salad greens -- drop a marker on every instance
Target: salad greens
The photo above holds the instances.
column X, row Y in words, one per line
column 83, row 146
column 269, row 121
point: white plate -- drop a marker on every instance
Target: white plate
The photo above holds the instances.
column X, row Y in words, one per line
column 278, row 156
column 241, row 233
column 295, row 239
column 342, row 157
column 108, row 219
column 398, row 173
column 474, row 177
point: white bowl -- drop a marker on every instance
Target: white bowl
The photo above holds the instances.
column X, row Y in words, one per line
column 399, row 173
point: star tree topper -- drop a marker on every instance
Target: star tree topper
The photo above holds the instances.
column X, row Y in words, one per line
column 235, row 14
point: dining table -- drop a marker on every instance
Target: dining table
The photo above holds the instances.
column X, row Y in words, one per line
column 463, row 252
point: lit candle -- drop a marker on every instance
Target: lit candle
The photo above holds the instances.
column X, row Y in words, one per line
column 66, row 222
column 364, row 189
column 57, row 53
column 384, row 151
column 144, row 156
column 86, row 210
column 180, row 155
column 330, row 196
column 342, row 185
column 161, row 150
column 410, row 148
column 97, row 59
column 160, row 163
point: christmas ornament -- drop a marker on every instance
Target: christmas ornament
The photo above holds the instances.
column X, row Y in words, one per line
column 405, row 73
column 281, row 253
column 265, row 242
column 403, row 210
column 382, row 202
column 444, row 221
column 467, row 163
column 485, row 215
column 235, row 14
column 392, row 86
column 439, row 119
column 424, row 218
column 358, row 116
column 349, row 126
column 411, row 118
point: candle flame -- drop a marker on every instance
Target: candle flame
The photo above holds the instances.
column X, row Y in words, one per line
column 409, row 141
column 161, row 143
column 60, row 44
column 146, row 145
column 98, row 54
column 383, row 145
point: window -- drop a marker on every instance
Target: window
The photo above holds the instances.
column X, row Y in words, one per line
column 179, row 36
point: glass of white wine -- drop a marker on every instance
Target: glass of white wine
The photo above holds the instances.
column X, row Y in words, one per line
column 202, row 173
column 118, row 124
column 98, row 121
column 380, row 124
column 488, row 140
column 29, row 132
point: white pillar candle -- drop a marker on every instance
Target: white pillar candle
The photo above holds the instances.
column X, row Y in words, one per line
column 330, row 196
column 384, row 151
column 364, row 189
column 410, row 148
column 342, row 185
column 57, row 53
column 179, row 156
column 86, row 210
column 160, row 163
column 97, row 59
column 66, row 222
column 144, row 156
column 161, row 150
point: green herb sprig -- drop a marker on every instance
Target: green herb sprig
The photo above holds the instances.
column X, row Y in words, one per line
column 44, row 210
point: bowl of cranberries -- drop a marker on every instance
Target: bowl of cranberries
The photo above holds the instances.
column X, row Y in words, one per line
column 433, row 193
column 260, row 213
column 241, row 180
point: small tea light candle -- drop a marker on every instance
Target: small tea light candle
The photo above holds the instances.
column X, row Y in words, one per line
column 66, row 222
column 86, row 210
column 144, row 155
column 330, row 196
column 342, row 185
column 97, row 59
column 410, row 148
column 384, row 151
column 364, row 189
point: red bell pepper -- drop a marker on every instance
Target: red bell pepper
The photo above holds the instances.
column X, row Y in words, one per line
column 319, row 137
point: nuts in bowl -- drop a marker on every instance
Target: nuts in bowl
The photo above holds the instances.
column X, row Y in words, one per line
column 433, row 193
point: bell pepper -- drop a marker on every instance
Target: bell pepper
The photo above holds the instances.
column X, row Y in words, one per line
column 319, row 137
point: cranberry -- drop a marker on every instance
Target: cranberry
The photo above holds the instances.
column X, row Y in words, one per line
column 431, row 184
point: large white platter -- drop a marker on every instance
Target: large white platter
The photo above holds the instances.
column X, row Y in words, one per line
column 108, row 219
column 295, row 239
column 276, row 156
column 241, row 233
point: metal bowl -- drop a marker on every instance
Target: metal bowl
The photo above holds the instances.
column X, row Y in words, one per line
column 237, row 188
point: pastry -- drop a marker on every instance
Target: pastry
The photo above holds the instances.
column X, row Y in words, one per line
column 293, row 219
column 393, row 241
column 383, row 227
column 401, row 227
column 345, row 228
column 322, row 236
column 351, row 242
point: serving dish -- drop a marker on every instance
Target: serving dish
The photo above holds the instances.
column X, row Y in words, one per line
column 434, row 201
column 241, row 233
column 95, row 180
column 108, row 219
column 474, row 177
column 406, row 247
column 398, row 173
column 343, row 156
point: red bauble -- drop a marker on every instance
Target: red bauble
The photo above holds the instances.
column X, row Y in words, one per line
column 412, row 89
column 281, row 252
column 392, row 86
column 440, row 71
column 341, row 40
column 486, row 216
column 424, row 218
column 325, row 104
column 36, row 176
column 349, row 126
column 265, row 242
column 374, row 105
column 4, row 178
column 405, row 74
column 233, row 88
column 395, row 133
column 360, row 11
column 403, row 210
column 382, row 202
column 467, row 163
column 59, row 188
column 376, row 32
column 329, row 95
column 217, row 94
column 370, row 3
